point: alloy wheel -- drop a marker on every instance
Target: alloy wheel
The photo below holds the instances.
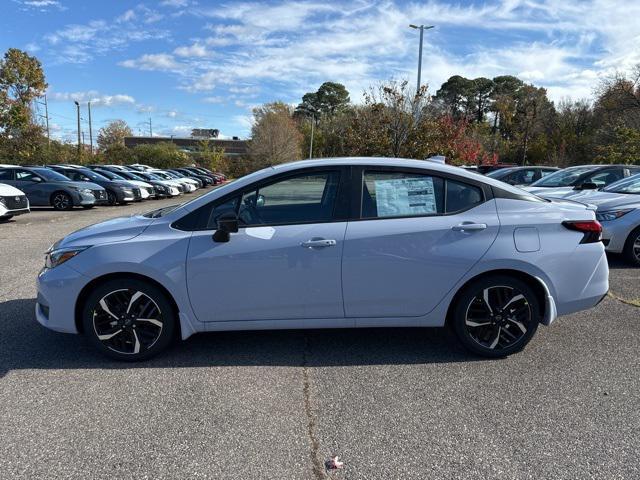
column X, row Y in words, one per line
column 127, row 321
column 498, row 317
column 61, row 201
column 636, row 248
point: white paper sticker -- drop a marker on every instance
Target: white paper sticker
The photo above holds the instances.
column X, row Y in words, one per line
column 264, row 233
column 405, row 196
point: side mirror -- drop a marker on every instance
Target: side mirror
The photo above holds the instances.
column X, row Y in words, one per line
column 260, row 201
column 36, row 179
column 587, row 186
column 226, row 226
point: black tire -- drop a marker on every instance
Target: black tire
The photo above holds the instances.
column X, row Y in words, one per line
column 631, row 250
column 125, row 336
column 61, row 201
column 87, row 207
column 489, row 331
column 112, row 199
column 6, row 218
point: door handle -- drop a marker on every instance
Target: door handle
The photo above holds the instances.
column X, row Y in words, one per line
column 318, row 243
column 469, row 227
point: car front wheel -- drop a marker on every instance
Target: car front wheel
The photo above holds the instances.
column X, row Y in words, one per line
column 128, row 319
column 632, row 247
column 496, row 316
column 62, row 201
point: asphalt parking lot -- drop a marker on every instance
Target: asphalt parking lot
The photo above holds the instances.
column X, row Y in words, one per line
column 397, row 403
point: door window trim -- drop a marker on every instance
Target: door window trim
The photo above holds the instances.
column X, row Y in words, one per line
column 358, row 183
column 340, row 212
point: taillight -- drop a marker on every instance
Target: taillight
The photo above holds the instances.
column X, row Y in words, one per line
column 591, row 228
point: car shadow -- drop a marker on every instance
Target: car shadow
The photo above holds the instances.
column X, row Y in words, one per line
column 25, row 344
column 618, row 262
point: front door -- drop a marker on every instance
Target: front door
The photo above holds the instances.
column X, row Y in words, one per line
column 417, row 236
column 284, row 262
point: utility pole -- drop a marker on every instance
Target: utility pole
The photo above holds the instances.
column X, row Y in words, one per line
column 78, row 112
column 90, row 128
column 150, row 129
column 46, row 116
column 422, row 28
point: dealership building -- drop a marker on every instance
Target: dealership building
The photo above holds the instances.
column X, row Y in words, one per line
column 232, row 147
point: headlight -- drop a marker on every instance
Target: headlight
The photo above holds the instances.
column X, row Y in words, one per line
column 611, row 214
column 86, row 191
column 58, row 256
column 127, row 190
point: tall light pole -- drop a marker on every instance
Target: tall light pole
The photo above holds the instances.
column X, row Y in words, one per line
column 313, row 121
column 422, row 28
column 90, row 128
column 78, row 112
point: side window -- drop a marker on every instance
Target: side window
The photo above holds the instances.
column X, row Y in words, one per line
column 461, row 196
column 6, row 174
column 230, row 207
column 306, row 198
column 24, row 175
column 396, row 194
column 605, row 178
column 544, row 173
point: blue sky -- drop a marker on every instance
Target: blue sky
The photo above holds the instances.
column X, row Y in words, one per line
column 188, row 63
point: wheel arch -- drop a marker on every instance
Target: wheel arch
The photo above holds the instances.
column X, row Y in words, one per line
column 60, row 190
column 540, row 289
column 86, row 290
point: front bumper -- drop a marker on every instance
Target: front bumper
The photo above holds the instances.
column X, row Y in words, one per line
column 58, row 288
column 614, row 235
column 84, row 199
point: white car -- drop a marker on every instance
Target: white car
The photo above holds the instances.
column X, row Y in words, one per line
column 337, row 243
column 189, row 184
column 146, row 189
column 12, row 202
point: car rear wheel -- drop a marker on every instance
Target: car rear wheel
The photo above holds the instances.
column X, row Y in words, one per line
column 6, row 218
column 496, row 316
column 632, row 247
column 128, row 319
column 61, row 201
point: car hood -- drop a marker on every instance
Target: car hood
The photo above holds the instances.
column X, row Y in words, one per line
column 549, row 191
column 139, row 183
column 8, row 190
column 114, row 230
column 609, row 200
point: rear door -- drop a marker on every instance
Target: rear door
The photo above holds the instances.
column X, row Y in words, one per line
column 418, row 233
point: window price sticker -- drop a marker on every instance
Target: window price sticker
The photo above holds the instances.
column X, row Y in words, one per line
column 405, row 196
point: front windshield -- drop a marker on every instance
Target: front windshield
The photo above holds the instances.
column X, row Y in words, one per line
column 51, row 175
column 162, row 175
column 562, row 178
column 111, row 175
column 627, row 185
column 93, row 175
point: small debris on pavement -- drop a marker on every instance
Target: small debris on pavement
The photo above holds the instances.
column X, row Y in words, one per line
column 333, row 463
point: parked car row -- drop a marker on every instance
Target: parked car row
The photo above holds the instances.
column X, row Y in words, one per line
column 612, row 191
column 66, row 186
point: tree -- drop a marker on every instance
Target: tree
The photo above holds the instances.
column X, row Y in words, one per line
column 275, row 137
column 481, row 89
column 624, row 149
column 21, row 81
column 208, row 157
column 160, row 155
column 534, row 112
column 330, row 98
column 113, row 134
column 453, row 96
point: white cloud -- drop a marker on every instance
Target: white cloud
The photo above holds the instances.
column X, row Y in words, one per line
column 96, row 98
column 214, row 99
column 127, row 16
column 153, row 61
column 175, row 3
column 196, row 50
column 42, row 5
